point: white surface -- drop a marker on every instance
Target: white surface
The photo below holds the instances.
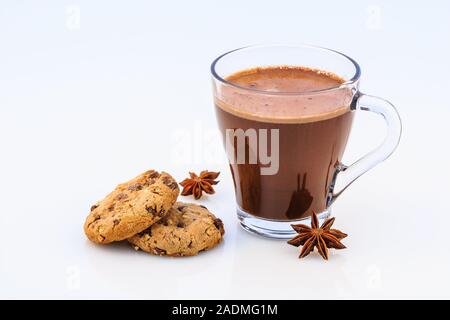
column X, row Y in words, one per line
column 84, row 107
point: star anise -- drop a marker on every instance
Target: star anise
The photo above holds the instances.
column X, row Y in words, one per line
column 322, row 238
column 196, row 184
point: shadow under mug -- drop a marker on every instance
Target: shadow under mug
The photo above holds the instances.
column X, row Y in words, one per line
column 309, row 175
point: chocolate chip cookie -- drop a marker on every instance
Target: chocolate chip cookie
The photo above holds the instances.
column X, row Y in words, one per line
column 185, row 231
column 132, row 207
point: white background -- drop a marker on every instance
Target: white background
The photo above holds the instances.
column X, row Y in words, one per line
column 94, row 92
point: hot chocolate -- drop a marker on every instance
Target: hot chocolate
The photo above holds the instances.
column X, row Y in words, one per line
column 312, row 115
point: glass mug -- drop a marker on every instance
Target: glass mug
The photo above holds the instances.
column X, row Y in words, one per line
column 285, row 147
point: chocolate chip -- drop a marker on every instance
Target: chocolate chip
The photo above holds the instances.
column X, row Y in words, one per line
column 95, row 206
column 116, row 221
column 180, row 225
column 219, row 225
column 181, row 208
column 111, row 208
column 135, row 186
column 170, row 183
column 151, row 210
column 203, row 207
column 153, row 174
column 161, row 212
column 146, row 231
column 121, row 196
column 159, row 251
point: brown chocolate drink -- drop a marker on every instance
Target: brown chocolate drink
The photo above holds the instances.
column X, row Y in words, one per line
column 311, row 112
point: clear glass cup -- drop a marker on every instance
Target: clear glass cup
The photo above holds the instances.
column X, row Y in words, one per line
column 309, row 176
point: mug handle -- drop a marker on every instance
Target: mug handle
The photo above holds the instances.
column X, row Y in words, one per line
column 345, row 175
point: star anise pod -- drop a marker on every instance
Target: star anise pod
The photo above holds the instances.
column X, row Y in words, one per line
column 322, row 237
column 196, row 184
